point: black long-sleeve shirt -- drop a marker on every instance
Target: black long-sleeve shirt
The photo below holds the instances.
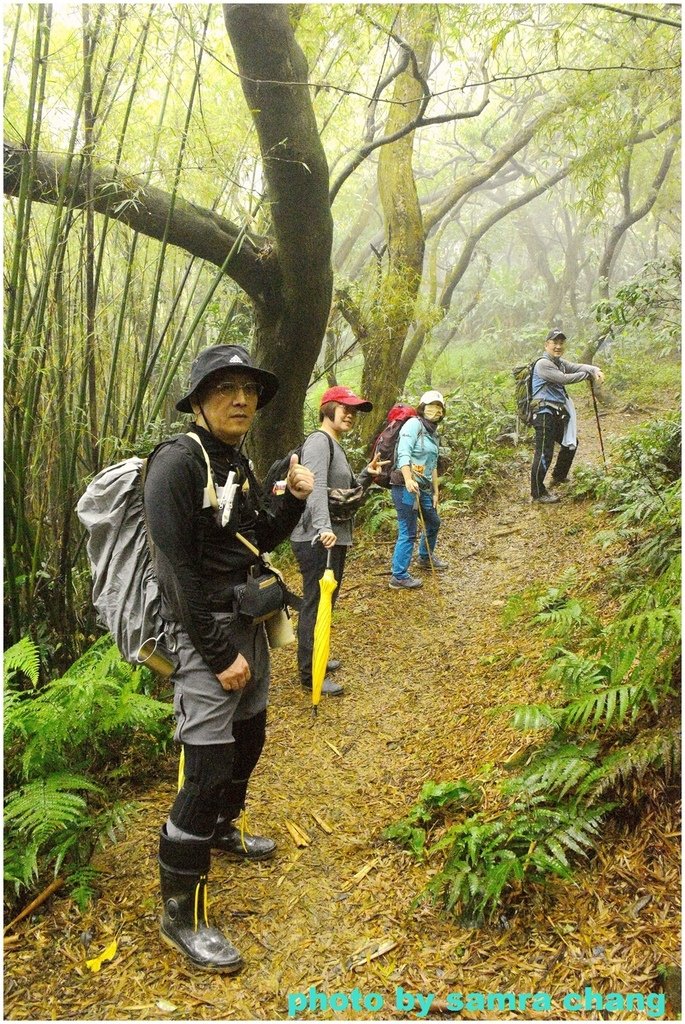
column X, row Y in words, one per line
column 197, row 561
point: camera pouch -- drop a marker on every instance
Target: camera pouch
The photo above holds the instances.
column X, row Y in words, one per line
column 259, row 597
column 343, row 502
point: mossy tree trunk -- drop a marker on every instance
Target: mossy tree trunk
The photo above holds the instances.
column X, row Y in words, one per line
column 404, row 232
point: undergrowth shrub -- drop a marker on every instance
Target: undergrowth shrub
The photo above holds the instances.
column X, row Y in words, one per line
column 613, row 734
column 67, row 748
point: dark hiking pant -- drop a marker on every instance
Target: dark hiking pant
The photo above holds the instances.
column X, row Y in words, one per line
column 222, row 731
column 549, row 429
column 311, row 559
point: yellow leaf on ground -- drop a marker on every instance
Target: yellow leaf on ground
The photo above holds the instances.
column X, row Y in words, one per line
column 166, row 1006
column 107, row 954
column 322, row 823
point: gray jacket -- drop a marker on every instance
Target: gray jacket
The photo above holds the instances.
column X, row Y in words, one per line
column 335, row 472
column 551, row 375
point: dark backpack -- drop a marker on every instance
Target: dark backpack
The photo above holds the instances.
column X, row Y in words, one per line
column 278, row 470
column 385, row 444
column 343, row 502
column 523, row 390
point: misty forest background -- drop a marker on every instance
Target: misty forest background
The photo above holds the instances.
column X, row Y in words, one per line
column 388, row 197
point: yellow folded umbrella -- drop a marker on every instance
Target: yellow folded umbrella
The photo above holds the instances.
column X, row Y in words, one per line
column 322, row 631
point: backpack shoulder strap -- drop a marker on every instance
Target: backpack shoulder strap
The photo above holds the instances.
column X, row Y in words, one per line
column 209, row 486
column 328, row 438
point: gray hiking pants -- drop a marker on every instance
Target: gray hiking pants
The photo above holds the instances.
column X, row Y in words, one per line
column 204, row 711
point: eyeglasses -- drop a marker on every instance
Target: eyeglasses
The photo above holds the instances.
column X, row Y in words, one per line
column 230, row 388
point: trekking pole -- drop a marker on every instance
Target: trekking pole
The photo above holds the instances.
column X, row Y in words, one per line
column 599, row 426
column 425, row 534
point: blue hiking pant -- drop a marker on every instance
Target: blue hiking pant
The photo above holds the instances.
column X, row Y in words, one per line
column 407, row 525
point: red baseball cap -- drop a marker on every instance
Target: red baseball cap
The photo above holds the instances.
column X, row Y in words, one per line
column 345, row 397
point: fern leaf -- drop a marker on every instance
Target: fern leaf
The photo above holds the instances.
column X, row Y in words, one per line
column 23, row 657
column 533, row 716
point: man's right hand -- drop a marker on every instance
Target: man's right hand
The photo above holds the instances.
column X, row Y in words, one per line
column 236, row 676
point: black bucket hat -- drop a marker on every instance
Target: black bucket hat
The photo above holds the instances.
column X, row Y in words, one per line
column 227, row 357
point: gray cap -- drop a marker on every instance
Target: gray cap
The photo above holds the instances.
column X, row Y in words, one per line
column 227, row 357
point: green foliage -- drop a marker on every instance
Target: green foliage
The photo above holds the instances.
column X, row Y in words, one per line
column 488, row 856
column 23, row 657
column 64, row 749
column 617, row 717
column 652, row 300
column 434, row 798
column 643, row 494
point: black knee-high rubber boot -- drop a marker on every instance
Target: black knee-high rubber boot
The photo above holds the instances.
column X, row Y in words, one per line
column 249, row 735
column 183, row 868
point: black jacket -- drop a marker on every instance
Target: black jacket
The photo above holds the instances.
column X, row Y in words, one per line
column 198, row 562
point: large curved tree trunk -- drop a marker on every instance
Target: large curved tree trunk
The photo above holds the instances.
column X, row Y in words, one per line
column 291, row 323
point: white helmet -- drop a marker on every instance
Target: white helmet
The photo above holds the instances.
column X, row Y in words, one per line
column 432, row 396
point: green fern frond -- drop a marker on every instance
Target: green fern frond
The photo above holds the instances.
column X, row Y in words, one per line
column 81, row 885
column 24, row 657
column 529, row 717
column 578, row 673
column 612, row 704
column 659, row 747
column 42, row 808
column 20, row 861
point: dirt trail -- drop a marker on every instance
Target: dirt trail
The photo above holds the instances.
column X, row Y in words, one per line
column 423, row 671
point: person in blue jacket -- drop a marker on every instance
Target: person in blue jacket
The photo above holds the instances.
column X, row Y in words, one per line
column 414, row 481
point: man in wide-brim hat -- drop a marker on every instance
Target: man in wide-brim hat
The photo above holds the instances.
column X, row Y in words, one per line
column 222, row 680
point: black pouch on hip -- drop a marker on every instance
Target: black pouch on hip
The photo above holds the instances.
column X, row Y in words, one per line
column 260, row 597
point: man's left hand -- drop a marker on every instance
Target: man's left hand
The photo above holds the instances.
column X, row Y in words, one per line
column 300, row 480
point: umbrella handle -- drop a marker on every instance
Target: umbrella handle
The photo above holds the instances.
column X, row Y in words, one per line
column 329, row 557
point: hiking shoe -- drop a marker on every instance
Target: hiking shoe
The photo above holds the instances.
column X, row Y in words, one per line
column 406, row 583
column 546, row 499
column 437, row 563
column 332, row 665
column 329, row 688
column 560, row 483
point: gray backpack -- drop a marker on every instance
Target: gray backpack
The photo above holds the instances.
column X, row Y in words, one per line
column 125, row 590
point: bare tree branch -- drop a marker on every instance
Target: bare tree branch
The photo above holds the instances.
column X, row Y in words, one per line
column 634, row 15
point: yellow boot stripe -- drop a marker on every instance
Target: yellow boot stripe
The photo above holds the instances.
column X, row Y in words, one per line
column 243, row 828
column 181, row 769
column 197, row 900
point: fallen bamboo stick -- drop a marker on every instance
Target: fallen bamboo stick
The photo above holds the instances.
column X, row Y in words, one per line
column 39, row 900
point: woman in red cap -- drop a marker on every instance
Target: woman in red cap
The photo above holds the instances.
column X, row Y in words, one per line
column 324, row 456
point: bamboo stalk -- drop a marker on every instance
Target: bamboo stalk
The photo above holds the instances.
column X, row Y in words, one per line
column 38, row 902
column 90, row 37
column 152, row 315
column 11, row 55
